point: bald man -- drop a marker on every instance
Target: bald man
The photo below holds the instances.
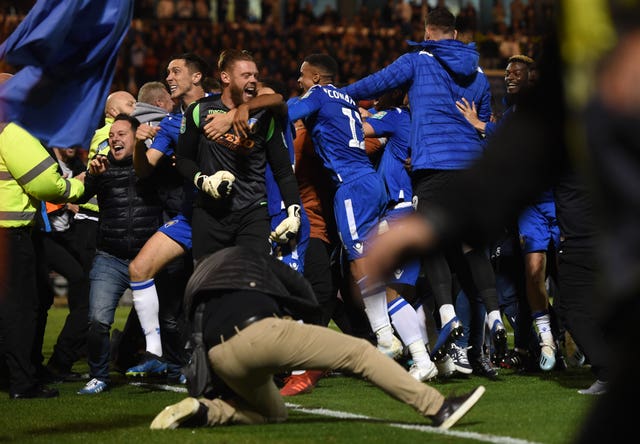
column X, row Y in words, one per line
column 117, row 102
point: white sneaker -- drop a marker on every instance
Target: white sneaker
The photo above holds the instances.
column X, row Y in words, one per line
column 174, row 415
column 446, row 367
column 394, row 350
column 423, row 371
column 547, row 355
column 597, row 388
column 93, row 387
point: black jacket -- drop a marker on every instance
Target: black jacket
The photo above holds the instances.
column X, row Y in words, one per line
column 246, row 159
column 130, row 210
column 240, row 268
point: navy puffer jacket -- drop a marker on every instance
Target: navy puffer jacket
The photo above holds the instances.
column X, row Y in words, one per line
column 437, row 75
column 130, row 210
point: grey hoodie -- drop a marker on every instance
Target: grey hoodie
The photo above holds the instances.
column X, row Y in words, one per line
column 147, row 113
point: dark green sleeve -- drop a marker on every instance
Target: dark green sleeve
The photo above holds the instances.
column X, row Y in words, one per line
column 187, row 149
column 280, row 161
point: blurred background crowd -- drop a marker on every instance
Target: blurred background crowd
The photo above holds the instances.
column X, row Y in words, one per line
column 365, row 35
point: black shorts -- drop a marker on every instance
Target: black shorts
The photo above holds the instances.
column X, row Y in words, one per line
column 429, row 186
column 248, row 227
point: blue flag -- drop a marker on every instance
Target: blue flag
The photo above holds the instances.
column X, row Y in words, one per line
column 67, row 51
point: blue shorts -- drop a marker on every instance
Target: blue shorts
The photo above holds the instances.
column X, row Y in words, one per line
column 358, row 206
column 538, row 227
column 178, row 229
column 293, row 252
column 408, row 272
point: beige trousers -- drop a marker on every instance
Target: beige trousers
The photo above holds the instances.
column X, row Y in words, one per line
column 248, row 361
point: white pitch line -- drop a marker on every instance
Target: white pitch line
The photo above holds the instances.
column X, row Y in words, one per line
column 346, row 415
column 422, row 428
column 165, row 387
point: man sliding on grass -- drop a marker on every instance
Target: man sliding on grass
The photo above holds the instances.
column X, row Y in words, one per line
column 238, row 298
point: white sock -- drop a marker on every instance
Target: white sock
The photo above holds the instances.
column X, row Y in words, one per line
column 374, row 298
column 543, row 324
column 447, row 312
column 145, row 301
column 422, row 323
column 419, row 353
column 492, row 317
column 405, row 320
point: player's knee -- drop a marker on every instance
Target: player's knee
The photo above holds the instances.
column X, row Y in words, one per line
column 138, row 271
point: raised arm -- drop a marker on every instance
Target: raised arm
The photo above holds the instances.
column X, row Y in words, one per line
column 145, row 160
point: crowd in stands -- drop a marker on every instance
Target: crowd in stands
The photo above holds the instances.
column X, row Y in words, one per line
column 369, row 40
column 365, row 42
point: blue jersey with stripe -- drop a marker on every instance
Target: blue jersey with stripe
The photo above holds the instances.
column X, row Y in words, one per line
column 395, row 124
column 166, row 139
column 336, row 130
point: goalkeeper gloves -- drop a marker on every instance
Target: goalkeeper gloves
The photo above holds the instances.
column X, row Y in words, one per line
column 288, row 228
column 217, row 185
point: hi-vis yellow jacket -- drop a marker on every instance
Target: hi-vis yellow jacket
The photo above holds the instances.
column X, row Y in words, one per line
column 100, row 140
column 99, row 145
column 28, row 174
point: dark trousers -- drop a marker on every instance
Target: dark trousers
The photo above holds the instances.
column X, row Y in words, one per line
column 174, row 332
column 473, row 269
column 64, row 253
column 18, row 307
column 577, row 306
column 45, row 299
column 317, row 270
column 248, row 227
column 510, row 284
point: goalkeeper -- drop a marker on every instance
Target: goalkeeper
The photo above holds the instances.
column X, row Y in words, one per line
column 229, row 172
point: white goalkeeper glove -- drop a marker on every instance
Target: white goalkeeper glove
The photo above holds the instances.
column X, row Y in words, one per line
column 217, row 185
column 288, row 228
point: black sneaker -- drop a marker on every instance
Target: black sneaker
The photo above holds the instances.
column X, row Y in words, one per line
column 498, row 361
column 54, row 375
column 482, row 367
column 499, row 336
column 516, row 359
column 451, row 331
column 37, row 391
column 455, row 407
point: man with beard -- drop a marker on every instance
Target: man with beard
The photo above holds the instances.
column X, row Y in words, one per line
column 229, row 172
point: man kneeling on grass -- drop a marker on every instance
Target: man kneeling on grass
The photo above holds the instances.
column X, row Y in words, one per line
column 237, row 299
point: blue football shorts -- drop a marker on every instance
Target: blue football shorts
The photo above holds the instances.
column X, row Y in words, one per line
column 178, row 229
column 538, row 227
column 358, row 206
